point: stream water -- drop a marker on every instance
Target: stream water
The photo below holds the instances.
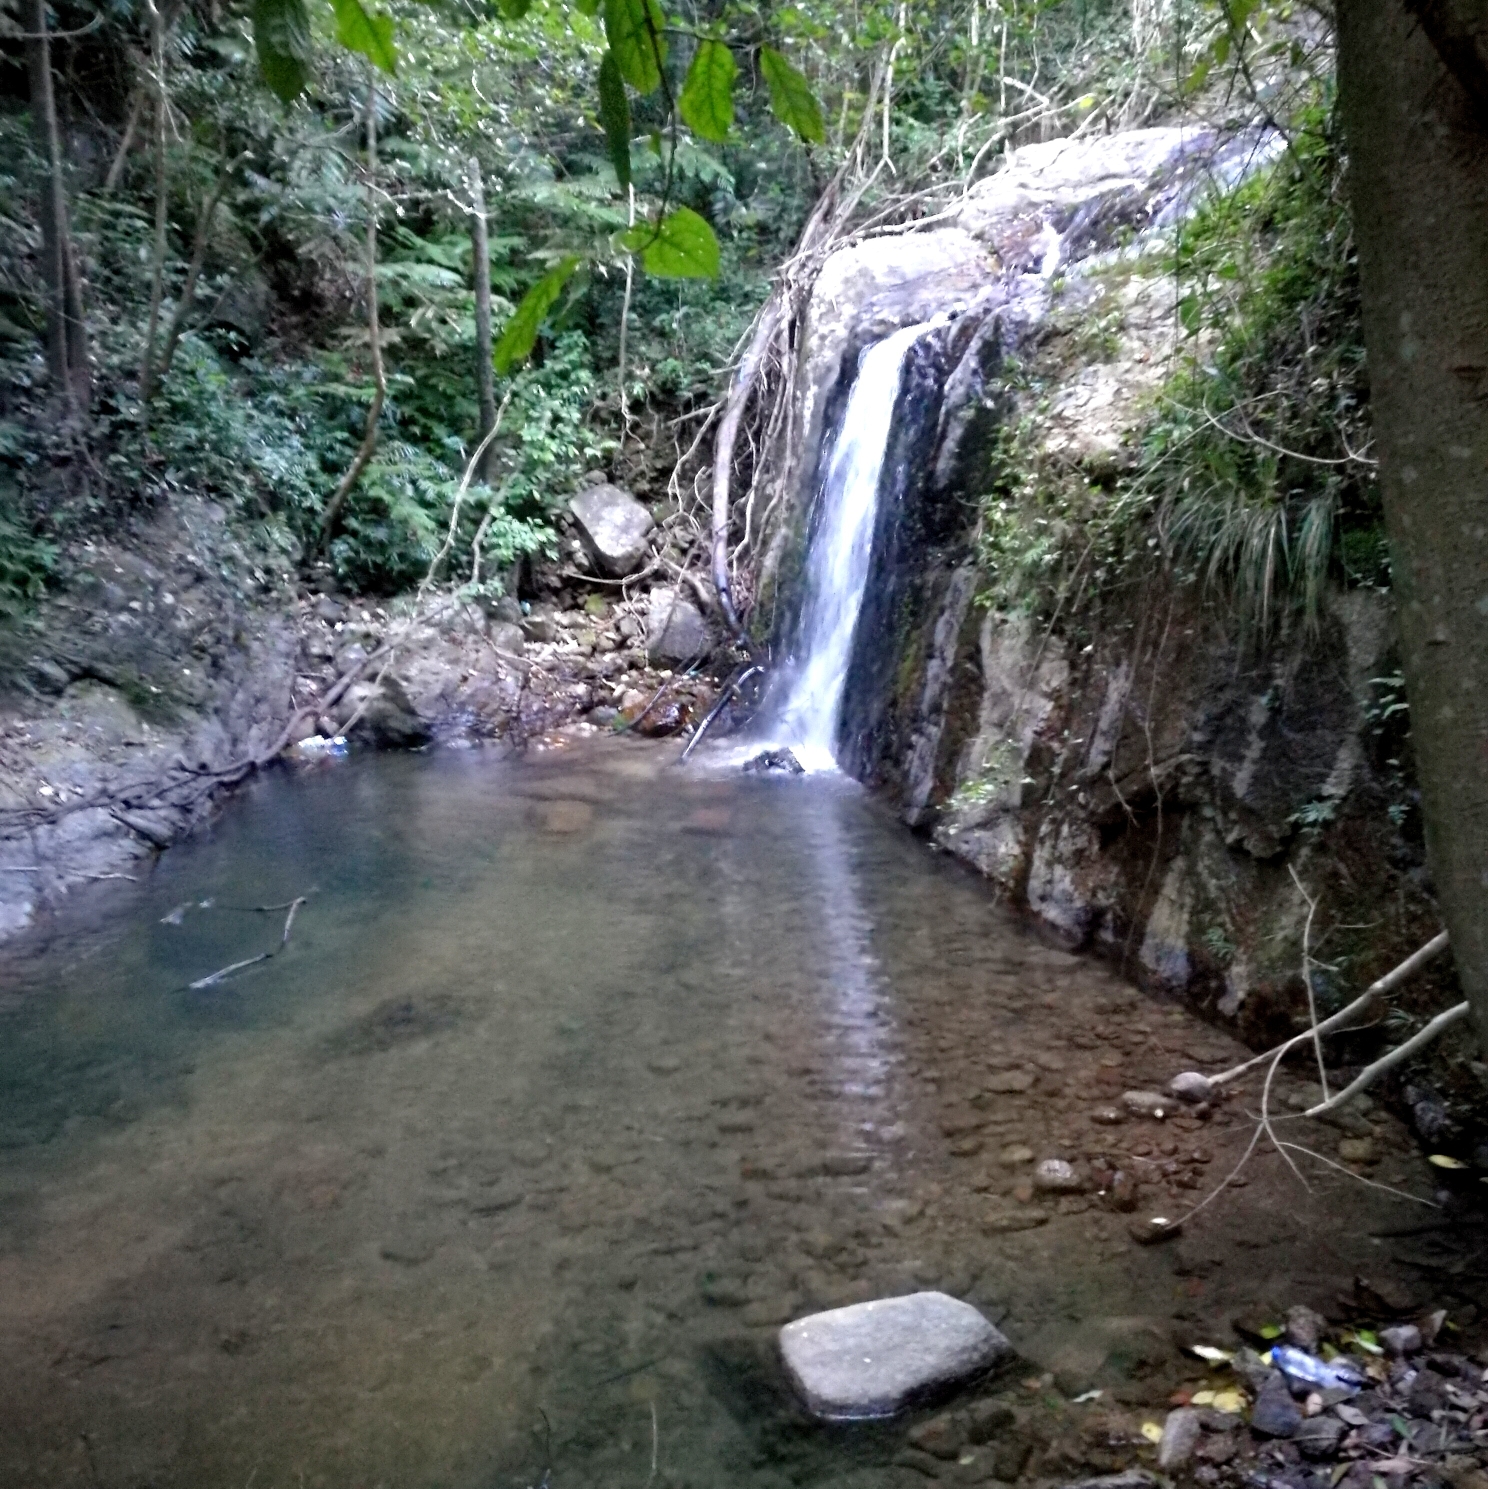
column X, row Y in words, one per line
column 576, row 1079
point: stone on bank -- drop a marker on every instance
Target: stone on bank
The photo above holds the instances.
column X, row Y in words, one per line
column 873, row 1359
column 614, row 528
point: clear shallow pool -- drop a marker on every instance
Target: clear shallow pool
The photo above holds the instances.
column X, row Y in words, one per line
column 578, row 1077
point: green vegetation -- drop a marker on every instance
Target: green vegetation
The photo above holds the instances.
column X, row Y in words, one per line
column 1252, row 474
column 642, row 174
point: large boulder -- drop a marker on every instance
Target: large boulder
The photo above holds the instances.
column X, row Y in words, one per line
column 873, row 1359
column 380, row 714
column 676, row 630
column 613, row 527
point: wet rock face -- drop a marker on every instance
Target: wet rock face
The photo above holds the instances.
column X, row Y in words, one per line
column 1133, row 791
column 873, row 1359
column 613, row 527
column 379, row 714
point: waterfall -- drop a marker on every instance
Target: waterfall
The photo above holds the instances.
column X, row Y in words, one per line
column 805, row 719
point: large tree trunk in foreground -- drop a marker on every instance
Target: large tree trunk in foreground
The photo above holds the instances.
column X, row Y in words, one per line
column 67, row 336
column 1418, row 160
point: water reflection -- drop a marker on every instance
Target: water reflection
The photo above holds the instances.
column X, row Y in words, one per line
column 859, row 1036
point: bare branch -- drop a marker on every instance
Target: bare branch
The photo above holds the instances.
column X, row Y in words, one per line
column 1371, row 1073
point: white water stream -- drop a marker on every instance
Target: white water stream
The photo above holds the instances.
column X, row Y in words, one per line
column 837, row 564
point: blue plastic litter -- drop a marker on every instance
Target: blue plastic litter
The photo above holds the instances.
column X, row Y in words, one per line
column 1327, row 1375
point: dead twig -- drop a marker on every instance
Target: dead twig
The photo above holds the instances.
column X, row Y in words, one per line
column 1312, row 1018
column 212, row 979
column 1343, row 1018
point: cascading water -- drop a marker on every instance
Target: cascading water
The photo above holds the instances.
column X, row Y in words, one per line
column 837, row 565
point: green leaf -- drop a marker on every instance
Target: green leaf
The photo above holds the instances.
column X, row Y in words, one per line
column 587, row 7
column 287, row 76
column 791, row 97
column 707, row 101
column 633, row 30
column 680, row 246
column 614, row 114
column 521, row 330
column 513, row 10
column 281, row 36
column 358, row 30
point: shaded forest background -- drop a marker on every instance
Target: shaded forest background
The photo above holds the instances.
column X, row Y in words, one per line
column 221, row 243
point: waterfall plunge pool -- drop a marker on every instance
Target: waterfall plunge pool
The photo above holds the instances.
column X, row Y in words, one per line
column 578, row 1077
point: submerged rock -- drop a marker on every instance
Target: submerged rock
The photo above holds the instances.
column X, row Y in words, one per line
column 768, row 760
column 873, row 1359
column 613, row 527
column 1055, row 1176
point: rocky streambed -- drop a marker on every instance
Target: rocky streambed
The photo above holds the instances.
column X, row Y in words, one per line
column 578, row 1079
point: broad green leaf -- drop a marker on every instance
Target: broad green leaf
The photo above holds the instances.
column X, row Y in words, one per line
column 680, row 246
column 587, row 7
column 521, row 330
column 287, row 76
column 358, row 30
column 791, row 97
column 513, row 10
column 633, row 30
column 614, row 114
column 281, row 37
column 707, row 101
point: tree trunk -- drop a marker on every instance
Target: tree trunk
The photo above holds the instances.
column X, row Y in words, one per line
column 1418, row 163
column 332, row 514
column 66, row 338
column 157, row 258
column 480, row 242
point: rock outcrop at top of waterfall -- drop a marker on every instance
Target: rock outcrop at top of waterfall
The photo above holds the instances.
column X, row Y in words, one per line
column 1052, row 205
column 1143, row 780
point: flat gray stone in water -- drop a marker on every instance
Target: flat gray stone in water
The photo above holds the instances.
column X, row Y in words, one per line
column 872, row 1359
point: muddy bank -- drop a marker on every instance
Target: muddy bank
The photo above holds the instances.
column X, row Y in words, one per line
column 174, row 658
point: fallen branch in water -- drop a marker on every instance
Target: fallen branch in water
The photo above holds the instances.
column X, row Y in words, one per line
column 1366, row 1078
column 1386, row 984
column 1371, row 1073
column 730, row 688
column 212, row 979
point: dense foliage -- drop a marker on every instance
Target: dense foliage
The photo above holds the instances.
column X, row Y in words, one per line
column 613, row 146
column 1253, row 474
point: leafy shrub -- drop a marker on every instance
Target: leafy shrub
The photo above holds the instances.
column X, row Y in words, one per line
column 1256, row 458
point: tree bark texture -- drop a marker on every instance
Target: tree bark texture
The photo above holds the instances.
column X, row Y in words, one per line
column 66, row 335
column 162, row 204
column 332, row 514
column 485, row 372
column 1418, row 161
